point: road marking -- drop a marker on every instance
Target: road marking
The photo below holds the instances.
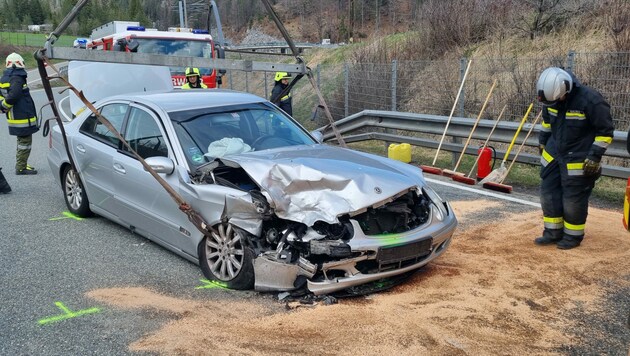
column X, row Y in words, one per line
column 482, row 192
column 67, row 314
column 67, row 215
column 211, row 284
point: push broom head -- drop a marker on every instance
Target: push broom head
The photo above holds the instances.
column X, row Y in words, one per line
column 431, row 170
column 449, row 173
column 504, row 188
column 464, row 179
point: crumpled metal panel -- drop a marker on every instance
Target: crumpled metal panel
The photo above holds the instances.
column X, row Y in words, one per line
column 241, row 212
column 319, row 182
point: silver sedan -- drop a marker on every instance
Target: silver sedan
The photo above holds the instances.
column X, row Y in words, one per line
column 288, row 212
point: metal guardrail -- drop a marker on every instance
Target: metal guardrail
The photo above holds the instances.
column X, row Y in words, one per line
column 369, row 124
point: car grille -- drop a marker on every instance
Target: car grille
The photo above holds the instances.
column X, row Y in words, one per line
column 404, row 252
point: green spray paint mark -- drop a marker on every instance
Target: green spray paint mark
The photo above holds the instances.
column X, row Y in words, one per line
column 67, row 314
column 211, row 284
column 67, row 215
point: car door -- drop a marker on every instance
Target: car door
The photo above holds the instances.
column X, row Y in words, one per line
column 94, row 150
column 143, row 202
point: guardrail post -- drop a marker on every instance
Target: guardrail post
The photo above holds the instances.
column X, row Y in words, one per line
column 571, row 60
column 230, row 76
column 346, row 89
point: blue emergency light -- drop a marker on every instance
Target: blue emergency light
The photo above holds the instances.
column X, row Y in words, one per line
column 200, row 32
column 135, row 28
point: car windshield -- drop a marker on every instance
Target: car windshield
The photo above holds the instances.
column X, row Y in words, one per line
column 179, row 48
column 204, row 137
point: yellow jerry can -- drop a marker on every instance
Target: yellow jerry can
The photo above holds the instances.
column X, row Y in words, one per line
column 400, row 152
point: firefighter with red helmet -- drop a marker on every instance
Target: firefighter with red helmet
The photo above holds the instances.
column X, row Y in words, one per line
column 576, row 130
column 193, row 79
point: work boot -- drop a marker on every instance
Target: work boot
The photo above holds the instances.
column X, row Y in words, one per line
column 4, row 185
column 26, row 171
column 549, row 237
column 568, row 242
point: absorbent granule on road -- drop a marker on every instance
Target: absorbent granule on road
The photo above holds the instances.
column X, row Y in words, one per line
column 492, row 292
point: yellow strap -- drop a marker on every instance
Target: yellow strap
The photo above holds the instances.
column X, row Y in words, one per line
column 507, row 153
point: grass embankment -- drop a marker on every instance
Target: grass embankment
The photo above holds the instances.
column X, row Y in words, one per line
column 26, row 44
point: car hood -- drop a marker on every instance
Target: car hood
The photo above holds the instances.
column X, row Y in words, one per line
column 319, row 182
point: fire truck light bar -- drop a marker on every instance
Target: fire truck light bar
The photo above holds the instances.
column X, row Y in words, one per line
column 202, row 32
column 135, row 28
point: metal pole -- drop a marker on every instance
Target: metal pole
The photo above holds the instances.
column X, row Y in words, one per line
column 345, row 88
column 181, row 15
column 246, row 82
column 318, row 77
column 185, row 15
column 231, row 84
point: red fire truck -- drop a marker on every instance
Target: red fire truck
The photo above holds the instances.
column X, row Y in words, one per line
column 177, row 41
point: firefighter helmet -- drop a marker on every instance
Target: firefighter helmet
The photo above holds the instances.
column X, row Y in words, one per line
column 553, row 84
column 282, row 75
column 191, row 72
column 15, row 60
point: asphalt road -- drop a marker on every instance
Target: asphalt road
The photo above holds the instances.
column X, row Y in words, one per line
column 48, row 262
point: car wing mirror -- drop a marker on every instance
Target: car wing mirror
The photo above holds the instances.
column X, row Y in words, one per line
column 318, row 136
column 163, row 165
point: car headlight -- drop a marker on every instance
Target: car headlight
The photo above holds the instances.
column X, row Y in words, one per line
column 437, row 201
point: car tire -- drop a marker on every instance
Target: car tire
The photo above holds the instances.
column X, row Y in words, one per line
column 224, row 258
column 74, row 193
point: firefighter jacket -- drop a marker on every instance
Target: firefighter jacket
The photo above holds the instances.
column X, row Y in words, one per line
column 18, row 103
column 283, row 103
column 200, row 85
column 576, row 128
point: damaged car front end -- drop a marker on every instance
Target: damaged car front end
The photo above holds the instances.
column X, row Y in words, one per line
column 324, row 218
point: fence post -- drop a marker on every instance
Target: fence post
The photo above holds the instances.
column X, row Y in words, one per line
column 346, row 89
column 266, row 89
column 462, row 97
column 463, row 62
column 318, row 74
column 231, row 84
column 571, row 60
column 246, row 82
column 394, row 78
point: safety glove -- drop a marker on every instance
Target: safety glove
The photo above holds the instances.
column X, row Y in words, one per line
column 591, row 167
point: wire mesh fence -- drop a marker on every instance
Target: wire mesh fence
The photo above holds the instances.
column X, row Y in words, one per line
column 431, row 87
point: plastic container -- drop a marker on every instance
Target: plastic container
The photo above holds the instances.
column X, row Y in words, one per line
column 400, row 152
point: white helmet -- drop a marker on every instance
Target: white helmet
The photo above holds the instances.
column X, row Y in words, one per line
column 553, row 84
column 16, row 60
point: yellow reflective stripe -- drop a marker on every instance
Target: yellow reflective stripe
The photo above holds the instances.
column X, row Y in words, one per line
column 546, row 158
column 4, row 85
column 574, row 230
column 605, row 139
column 553, row 112
column 286, row 97
column 575, row 114
column 546, row 125
column 553, row 220
column 571, row 166
column 21, row 121
column 552, row 223
column 6, row 105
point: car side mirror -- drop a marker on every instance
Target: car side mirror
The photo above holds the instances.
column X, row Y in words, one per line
column 317, row 135
column 163, row 165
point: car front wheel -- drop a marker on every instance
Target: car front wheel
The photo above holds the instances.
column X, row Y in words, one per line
column 74, row 193
column 223, row 257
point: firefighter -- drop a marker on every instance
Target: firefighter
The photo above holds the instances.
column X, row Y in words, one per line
column 284, row 103
column 193, row 79
column 18, row 105
column 576, row 130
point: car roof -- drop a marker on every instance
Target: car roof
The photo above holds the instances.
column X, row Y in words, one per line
column 178, row 100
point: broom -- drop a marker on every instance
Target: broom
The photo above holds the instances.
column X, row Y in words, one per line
column 454, row 172
column 432, row 169
column 467, row 179
column 500, row 187
column 499, row 174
